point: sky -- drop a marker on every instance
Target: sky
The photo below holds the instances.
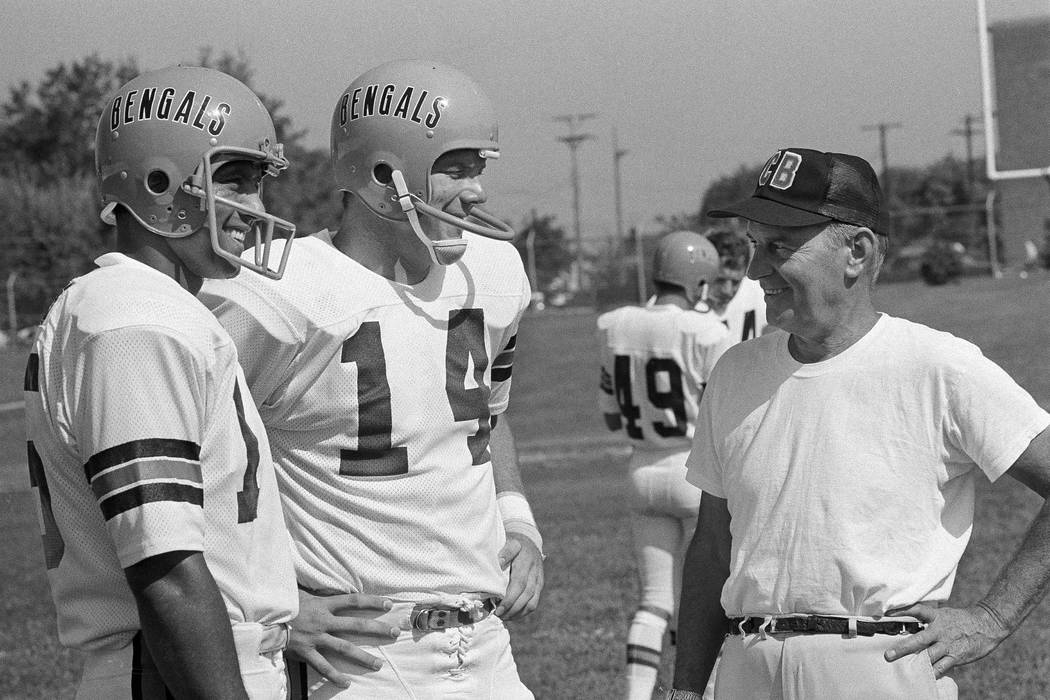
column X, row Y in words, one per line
column 693, row 88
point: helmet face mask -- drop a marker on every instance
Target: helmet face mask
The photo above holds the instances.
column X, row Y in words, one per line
column 390, row 126
column 263, row 225
column 688, row 260
column 162, row 138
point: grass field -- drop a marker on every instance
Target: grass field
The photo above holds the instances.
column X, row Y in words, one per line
column 573, row 647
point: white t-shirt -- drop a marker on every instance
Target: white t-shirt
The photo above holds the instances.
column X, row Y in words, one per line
column 377, row 397
column 850, row 482
column 655, row 362
column 143, row 440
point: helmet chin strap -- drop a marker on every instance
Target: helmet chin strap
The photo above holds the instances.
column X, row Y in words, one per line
column 447, row 251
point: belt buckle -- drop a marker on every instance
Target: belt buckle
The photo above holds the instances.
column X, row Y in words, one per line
column 428, row 619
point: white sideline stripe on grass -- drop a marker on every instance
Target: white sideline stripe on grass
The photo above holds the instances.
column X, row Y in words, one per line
column 12, row 406
column 537, row 451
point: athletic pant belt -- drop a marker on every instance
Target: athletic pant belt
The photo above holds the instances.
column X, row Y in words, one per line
column 427, row 617
column 822, row 624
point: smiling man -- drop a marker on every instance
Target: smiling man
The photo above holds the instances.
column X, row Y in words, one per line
column 382, row 365
column 838, row 458
column 167, row 553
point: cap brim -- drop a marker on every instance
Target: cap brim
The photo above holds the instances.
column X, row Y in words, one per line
column 766, row 211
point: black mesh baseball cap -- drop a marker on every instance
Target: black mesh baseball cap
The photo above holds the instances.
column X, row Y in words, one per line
column 802, row 187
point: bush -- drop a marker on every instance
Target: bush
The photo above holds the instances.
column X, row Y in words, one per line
column 941, row 263
column 50, row 233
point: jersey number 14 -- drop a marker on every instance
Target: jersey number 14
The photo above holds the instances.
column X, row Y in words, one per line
column 376, row 455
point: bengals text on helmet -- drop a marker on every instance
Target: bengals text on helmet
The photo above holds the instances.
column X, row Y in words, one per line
column 355, row 106
column 140, row 105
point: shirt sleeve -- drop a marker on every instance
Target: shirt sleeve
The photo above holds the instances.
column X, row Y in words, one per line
column 990, row 418
column 139, row 416
column 503, row 364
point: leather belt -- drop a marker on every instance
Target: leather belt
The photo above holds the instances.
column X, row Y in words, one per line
column 823, row 624
column 428, row 618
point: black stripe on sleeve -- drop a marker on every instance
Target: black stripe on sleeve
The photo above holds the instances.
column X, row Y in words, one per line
column 138, row 449
column 151, row 493
column 501, row 374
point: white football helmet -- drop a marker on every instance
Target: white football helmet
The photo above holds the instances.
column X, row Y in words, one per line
column 686, row 259
column 389, row 127
column 162, row 137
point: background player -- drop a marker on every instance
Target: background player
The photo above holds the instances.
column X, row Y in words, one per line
column 381, row 363
column 654, row 364
column 162, row 525
column 735, row 298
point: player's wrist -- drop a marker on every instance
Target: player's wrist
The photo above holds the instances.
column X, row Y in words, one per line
column 517, row 517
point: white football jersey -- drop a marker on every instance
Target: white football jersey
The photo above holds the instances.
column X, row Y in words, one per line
column 142, row 439
column 745, row 314
column 655, row 362
column 377, row 397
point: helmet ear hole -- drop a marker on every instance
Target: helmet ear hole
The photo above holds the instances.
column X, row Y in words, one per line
column 157, row 182
column 383, row 173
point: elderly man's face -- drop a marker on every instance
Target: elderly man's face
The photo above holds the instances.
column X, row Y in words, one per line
column 800, row 273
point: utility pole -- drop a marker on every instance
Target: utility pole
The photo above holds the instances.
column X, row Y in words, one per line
column 882, row 127
column 639, row 257
column 968, row 132
column 884, row 178
column 12, row 315
column 573, row 141
column 618, row 153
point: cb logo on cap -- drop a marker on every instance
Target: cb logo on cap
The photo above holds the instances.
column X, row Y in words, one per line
column 779, row 171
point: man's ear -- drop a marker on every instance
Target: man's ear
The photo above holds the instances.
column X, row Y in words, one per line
column 862, row 248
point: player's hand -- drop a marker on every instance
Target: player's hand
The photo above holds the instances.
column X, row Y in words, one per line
column 322, row 620
column 953, row 636
column 526, row 577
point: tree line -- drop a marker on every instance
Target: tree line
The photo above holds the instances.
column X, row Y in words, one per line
column 49, row 202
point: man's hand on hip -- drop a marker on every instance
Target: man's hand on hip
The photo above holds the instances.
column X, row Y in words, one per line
column 322, row 622
column 526, row 577
column 953, row 636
